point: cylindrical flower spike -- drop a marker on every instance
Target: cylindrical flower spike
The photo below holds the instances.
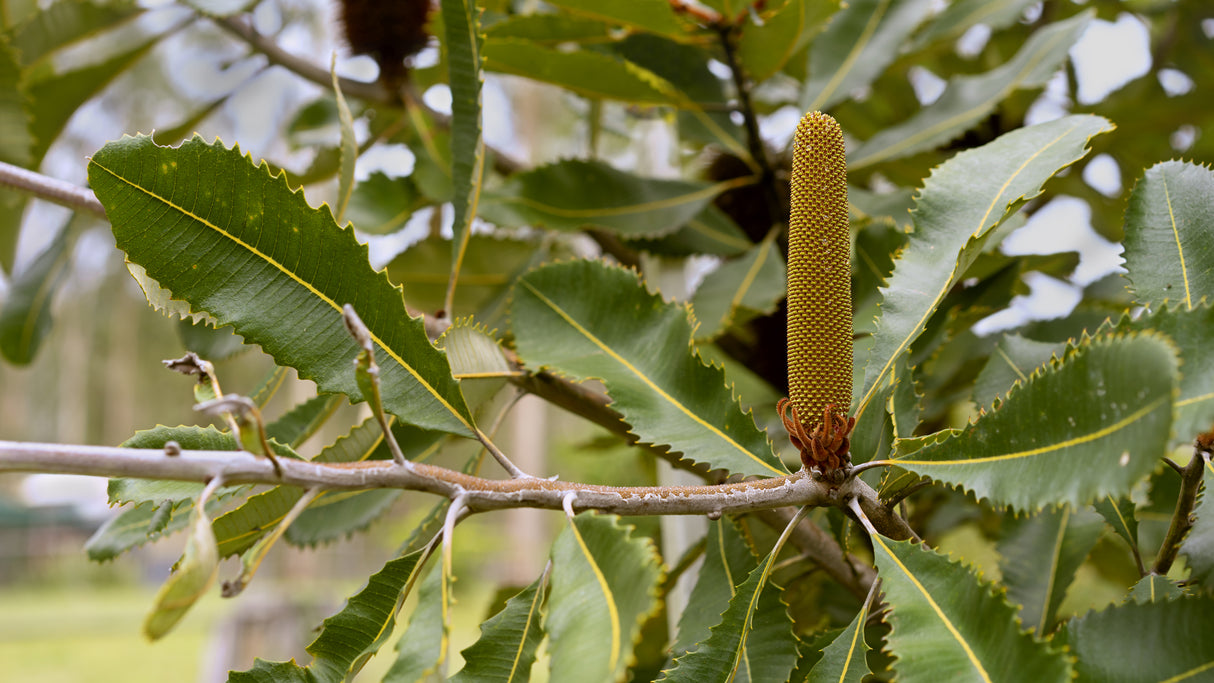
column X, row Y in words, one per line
column 819, row 297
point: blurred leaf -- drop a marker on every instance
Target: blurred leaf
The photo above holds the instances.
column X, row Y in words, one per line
column 491, row 265
column 1119, row 513
column 296, row 315
column 948, row 625
column 752, row 641
column 222, row 8
column 967, row 100
column 646, row 15
column 1014, row 360
column 960, row 204
column 25, row 315
column 549, row 29
column 604, row 585
column 963, row 15
column 194, row 574
column 1090, row 426
column 1155, row 588
column 506, row 649
column 575, row 194
column 586, row 319
column 727, row 558
column 464, row 59
column 1168, row 251
column 765, row 47
column 63, row 23
column 1135, row 642
column 348, row 147
column 614, row 79
column 381, row 205
column 208, row 342
column 709, row 232
column 861, row 41
column 843, row 661
column 16, row 144
column 135, row 526
column 752, row 282
column 1039, row 559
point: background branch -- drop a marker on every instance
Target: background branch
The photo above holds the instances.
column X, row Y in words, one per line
column 51, row 189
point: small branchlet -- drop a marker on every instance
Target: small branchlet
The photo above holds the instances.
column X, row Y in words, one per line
column 819, row 300
column 366, row 374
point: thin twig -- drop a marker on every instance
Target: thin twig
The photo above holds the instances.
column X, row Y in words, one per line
column 492, row 448
column 754, row 141
column 905, row 493
column 51, row 189
column 1182, row 518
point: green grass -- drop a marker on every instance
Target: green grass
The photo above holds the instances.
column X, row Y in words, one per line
column 94, row 634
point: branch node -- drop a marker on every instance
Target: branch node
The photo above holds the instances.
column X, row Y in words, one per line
column 567, row 501
column 172, row 449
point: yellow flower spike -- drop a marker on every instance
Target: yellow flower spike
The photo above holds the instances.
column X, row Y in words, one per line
column 819, row 297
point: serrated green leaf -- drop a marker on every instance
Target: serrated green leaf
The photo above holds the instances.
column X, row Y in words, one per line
column 947, row 625
column 491, row 265
column 958, row 207
column 473, row 352
column 752, row 641
column 134, row 527
column 1198, row 546
column 463, row 44
column 1039, row 559
column 962, row 15
column 1119, row 513
column 614, row 79
column 1190, row 331
column 969, row 99
column 604, row 585
column 646, row 15
column 1157, row 641
column 195, row 573
column 301, row 422
column 1155, row 588
column 25, row 316
column 765, row 47
column 340, row 514
column 576, row 194
column 353, row 635
column 727, row 559
column 1107, row 409
column 1168, row 251
column 506, row 648
column 752, row 282
column 1011, row 363
column 861, row 41
column 253, row 262
column 382, row 205
column 843, row 661
column 240, row 528
column 587, row 319
column 422, row 649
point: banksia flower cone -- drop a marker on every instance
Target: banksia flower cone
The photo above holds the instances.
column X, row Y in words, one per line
column 819, row 297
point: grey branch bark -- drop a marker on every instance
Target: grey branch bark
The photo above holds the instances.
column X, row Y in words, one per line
column 239, row 467
column 50, row 189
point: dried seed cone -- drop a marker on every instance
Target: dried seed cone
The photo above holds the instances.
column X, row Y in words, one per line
column 819, row 273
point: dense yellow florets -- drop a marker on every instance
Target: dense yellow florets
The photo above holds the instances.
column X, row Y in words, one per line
column 819, row 272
